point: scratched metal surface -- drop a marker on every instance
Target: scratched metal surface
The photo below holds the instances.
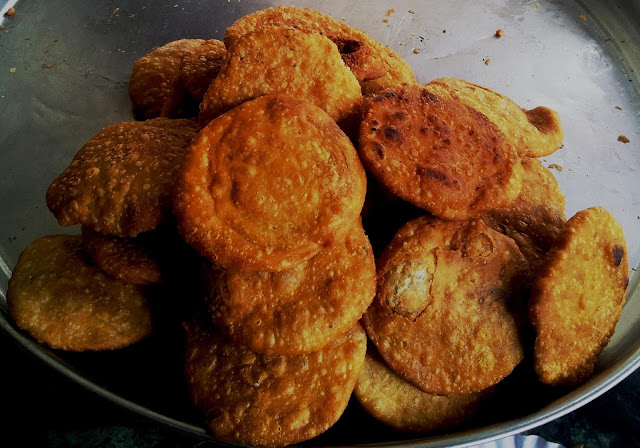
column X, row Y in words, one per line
column 72, row 62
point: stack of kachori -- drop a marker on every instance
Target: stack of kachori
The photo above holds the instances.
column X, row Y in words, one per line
column 252, row 167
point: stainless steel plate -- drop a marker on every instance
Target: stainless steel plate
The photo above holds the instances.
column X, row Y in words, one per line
column 64, row 69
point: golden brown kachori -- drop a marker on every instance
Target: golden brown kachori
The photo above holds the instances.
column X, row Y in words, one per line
column 577, row 298
column 445, row 317
column 268, row 400
column 62, row 300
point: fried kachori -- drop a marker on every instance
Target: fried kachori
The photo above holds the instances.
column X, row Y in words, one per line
column 357, row 49
column 62, row 300
column 299, row 310
column 200, row 66
column 132, row 260
column 268, row 400
column 534, row 219
column 398, row 404
column 534, row 133
column 448, row 305
column 155, row 87
column 121, row 181
column 440, row 155
column 268, row 184
column 286, row 61
column 577, row 298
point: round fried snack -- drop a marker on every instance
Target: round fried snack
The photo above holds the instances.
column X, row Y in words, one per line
column 534, row 133
column 268, row 184
column 398, row 72
column 285, row 60
column 577, row 298
column 302, row 309
column 132, row 260
column 396, row 403
column 357, row 49
column 155, row 87
column 439, row 155
column 120, row 182
column 199, row 67
column 534, row 219
column 266, row 400
column 63, row 301
column 445, row 315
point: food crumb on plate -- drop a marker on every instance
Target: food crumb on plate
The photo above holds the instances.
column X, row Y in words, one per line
column 12, row 70
column 499, row 32
column 416, row 51
column 391, row 11
column 583, row 18
column 623, row 139
column 555, row 166
column 10, row 12
column 618, row 107
column 487, row 61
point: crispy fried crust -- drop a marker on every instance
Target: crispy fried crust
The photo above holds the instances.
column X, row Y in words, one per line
column 439, row 155
column 534, row 133
column 155, row 87
column 268, row 184
column 285, row 60
column 578, row 296
column 199, row 67
column 270, row 401
column 132, row 260
column 396, row 403
column 120, row 182
column 299, row 310
column 357, row 49
column 536, row 217
column 62, row 300
column 444, row 317
column 398, row 72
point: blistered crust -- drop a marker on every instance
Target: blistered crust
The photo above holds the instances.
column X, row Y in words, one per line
column 445, row 316
column 268, row 184
column 396, row 403
column 132, row 260
column 121, row 181
column 270, row 401
column 437, row 154
column 397, row 72
column 155, row 87
column 287, row 61
column 299, row 310
column 62, row 300
column 200, row 66
column 534, row 133
column 577, row 298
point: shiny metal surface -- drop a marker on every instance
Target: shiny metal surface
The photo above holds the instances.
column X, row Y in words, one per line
column 72, row 62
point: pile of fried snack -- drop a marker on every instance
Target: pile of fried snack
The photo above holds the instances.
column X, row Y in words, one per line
column 253, row 157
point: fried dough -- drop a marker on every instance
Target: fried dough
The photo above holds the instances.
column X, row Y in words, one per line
column 536, row 217
column 396, row 403
column 286, row 61
column 120, row 182
column 357, row 49
column 299, row 310
column 266, row 400
column 445, row 313
column 155, row 87
column 200, row 66
column 534, row 133
column 62, row 300
column 577, row 298
column 268, row 184
column 440, row 155
column 132, row 260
